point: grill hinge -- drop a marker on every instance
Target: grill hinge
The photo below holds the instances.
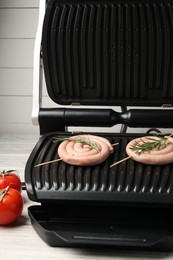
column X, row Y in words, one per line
column 75, row 103
column 167, row 105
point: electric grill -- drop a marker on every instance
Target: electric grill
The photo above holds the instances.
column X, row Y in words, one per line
column 103, row 53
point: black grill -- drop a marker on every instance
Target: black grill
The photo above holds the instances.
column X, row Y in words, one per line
column 104, row 53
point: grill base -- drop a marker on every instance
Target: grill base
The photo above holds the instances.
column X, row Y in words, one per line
column 118, row 227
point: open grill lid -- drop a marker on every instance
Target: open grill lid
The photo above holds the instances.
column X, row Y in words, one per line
column 109, row 52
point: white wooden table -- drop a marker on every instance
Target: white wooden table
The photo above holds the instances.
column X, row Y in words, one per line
column 20, row 241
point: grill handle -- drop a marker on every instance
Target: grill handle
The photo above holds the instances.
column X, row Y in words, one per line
column 149, row 118
column 59, row 118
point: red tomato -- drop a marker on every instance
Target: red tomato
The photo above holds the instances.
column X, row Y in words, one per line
column 11, row 205
column 10, row 178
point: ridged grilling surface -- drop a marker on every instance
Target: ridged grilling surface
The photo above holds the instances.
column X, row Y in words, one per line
column 109, row 51
column 60, row 180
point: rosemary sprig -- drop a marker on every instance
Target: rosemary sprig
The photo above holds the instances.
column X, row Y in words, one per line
column 90, row 144
column 151, row 145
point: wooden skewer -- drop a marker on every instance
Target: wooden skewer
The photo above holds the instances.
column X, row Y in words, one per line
column 57, row 160
column 120, row 161
column 114, row 144
column 40, row 164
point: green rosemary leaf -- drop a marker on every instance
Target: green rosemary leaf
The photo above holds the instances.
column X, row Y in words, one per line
column 90, row 144
column 152, row 144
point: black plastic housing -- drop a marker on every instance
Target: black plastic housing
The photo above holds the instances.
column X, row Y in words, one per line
column 126, row 227
column 53, row 119
column 106, row 53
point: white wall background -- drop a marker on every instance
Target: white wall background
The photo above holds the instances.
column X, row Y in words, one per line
column 18, row 25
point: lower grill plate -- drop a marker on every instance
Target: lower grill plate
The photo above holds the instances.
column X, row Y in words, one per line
column 129, row 181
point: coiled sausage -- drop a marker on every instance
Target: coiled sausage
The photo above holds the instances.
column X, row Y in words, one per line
column 161, row 156
column 78, row 153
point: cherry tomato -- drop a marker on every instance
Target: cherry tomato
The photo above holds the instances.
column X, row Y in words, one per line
column 11, row 205
column 10, row 178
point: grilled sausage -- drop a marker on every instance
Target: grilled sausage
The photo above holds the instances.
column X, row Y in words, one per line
column 75, row 153
column 160, row 156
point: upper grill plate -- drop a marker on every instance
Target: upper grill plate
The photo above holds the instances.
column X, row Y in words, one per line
column 109, row 52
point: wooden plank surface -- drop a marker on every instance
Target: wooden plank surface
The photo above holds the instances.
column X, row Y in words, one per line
column 16, row 53
column 15, row 116
column 18, row 127
column 18, row 23
column 15, row 109
column 16, row 82
column 19, row 3
column 18, row 26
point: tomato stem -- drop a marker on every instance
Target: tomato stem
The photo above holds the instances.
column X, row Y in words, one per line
column 6, row 173
column 3, row 174
column 3, row 193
